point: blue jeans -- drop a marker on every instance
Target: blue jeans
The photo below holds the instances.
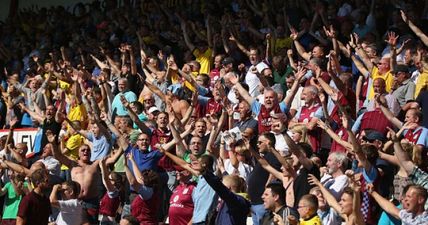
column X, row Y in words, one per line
column 257, row 212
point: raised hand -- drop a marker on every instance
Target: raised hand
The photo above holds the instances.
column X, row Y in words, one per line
column 13, row 122
column 50, row 136
column 124, row 102
column 300, row 73
column 294, row 34
column 290, row 52
column 321, row 124
column 330, row 33
column 313, row 180
column 391, row 134
column 233, row 79
column 404, row 16
column 392, row 39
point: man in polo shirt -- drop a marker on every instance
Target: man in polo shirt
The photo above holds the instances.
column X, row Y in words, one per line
column 406, row 90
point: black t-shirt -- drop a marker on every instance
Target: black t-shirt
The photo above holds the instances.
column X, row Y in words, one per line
column 422, row 100
column 51, row 125
column 258, row 178
column 301, row 186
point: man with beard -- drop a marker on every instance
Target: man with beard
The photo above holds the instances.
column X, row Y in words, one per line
column 334, row 178
column 35, row 207
column 271, row 104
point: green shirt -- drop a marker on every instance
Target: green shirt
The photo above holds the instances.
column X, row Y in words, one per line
column 11, row 201
column 280, row 78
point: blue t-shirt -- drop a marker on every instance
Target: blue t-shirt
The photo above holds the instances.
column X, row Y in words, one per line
column 204, row 198
column 117, row 104
column 100, row 146
column 257, row 106
column 144, row 160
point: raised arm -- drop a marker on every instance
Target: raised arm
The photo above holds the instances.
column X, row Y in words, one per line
column 189, row 43
column 155, row 90
column 388, row 114
column 354, row 43
column 180, row 162
column 385, row 204
column 331, row 200
column 53, row 196
column 244, row 93
column 39, row 118
column 240, row 46
column 360, row 66
column 333, row 135
column 57, row 153
column 298, row 77
column 180, row 149
column 405, row 162
column 134, row 117
column 414, row 28
column 131, row 178
column 297, row 151
column 300, row 49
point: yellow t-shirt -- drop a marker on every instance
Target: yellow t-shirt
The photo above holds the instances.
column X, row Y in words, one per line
column 388, row 77
column 79, row 113
column 73, row 143
column 286, row 42
column 313, row 221
column 204, row 59
column 422, row 81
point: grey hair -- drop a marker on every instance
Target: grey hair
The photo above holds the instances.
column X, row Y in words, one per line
column 312, row 89
column 341, row 158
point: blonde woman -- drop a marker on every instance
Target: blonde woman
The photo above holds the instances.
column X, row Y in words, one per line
column 299, row 133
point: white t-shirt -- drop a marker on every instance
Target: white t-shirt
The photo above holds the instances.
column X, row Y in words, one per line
column 253, row 82
column 71, row 212
column 244, row 169
column 335, row 185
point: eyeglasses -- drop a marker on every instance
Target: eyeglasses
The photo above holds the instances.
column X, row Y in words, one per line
column 195, row 143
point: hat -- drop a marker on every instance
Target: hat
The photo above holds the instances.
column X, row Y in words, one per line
column 278, row 89
column 374, row 135
column 227, row 61
column 261, row 66
column 401, row 68
column 153, row 109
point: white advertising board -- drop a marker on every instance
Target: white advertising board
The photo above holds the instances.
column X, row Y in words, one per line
column 24, row 135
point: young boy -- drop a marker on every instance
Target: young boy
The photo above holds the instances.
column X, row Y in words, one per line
column 70, row 207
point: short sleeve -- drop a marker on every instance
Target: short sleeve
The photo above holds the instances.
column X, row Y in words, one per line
column 371, row 175
column 113, row 194
column 256, row 107
column 90, row 136
column 283, row 107
column 68, row 205
column 145, row 192
column 24, row 207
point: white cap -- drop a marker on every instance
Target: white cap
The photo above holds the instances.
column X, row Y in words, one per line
column 261, row 66
column 153, row 109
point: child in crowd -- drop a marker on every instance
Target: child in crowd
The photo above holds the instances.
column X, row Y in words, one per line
column 71, row 209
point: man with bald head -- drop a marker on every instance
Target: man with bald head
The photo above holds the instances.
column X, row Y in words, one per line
column 379, row 88
column 271, row 104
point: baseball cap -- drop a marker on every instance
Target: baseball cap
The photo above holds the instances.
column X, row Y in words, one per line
column 374, row 135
